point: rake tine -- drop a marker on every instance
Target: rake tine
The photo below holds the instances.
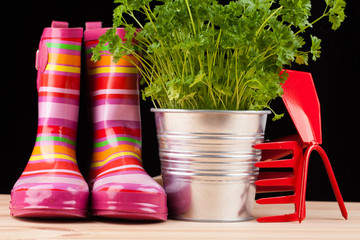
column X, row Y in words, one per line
column 284, row 163
column 288, row 181
column 277, row 200
column 279, row 218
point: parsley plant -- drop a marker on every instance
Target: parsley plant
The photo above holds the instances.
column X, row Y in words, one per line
column 201, row 54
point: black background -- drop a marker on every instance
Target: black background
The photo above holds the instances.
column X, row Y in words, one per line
column 336, row 76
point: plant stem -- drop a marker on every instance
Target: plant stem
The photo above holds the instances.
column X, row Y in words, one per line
column 312, row 23
column 191, row 18
column 136, row 20
column 150, row 19
column 267, row 19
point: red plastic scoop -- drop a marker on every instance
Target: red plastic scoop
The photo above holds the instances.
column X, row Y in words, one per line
column 301, row 101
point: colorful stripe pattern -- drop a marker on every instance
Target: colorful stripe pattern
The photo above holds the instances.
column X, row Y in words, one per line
column 120, row 186
column 51, row 179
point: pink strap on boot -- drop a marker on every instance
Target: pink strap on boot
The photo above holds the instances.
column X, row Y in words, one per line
column 94, row 30
column 57, row 24
column 92, row 25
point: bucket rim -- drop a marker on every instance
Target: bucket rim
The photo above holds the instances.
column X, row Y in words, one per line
column 170, row 110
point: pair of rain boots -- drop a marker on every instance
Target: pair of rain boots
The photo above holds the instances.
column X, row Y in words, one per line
column 51, row 184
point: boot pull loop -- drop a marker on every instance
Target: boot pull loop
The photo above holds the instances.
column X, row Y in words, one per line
column 41, row 57
column 59, row 24
column 37, row 59
column 93, row 25
column 41, row 60
column 42, row 53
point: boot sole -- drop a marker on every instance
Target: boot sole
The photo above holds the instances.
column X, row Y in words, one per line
column 47, row 213
column 129, row 205
column 130, row 216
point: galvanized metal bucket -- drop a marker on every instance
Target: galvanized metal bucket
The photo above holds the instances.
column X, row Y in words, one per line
column 207, row 162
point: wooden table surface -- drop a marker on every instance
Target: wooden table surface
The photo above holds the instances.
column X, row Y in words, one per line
column 323, row 221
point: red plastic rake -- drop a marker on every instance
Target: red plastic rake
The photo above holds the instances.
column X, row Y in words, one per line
column 301, row 101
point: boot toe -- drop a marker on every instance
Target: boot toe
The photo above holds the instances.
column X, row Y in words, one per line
column 136, row 197
column 50, row 200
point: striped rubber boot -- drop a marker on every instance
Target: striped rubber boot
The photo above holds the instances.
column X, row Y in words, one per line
column 120, row 186
column 51, row 184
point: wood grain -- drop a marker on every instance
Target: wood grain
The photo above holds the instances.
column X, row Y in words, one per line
column 323, row 221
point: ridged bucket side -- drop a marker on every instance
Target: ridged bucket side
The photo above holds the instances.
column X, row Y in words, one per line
column 207, row 162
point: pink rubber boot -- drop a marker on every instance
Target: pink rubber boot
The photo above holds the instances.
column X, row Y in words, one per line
column 51, row 184
column 120, row 186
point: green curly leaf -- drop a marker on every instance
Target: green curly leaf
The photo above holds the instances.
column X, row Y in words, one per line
column 206, row 55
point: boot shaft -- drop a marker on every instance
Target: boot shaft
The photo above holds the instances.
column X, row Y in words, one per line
column 51, row 184
column 58, row 80
column 114, row 87
column 114, row 93
column 58, row 63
